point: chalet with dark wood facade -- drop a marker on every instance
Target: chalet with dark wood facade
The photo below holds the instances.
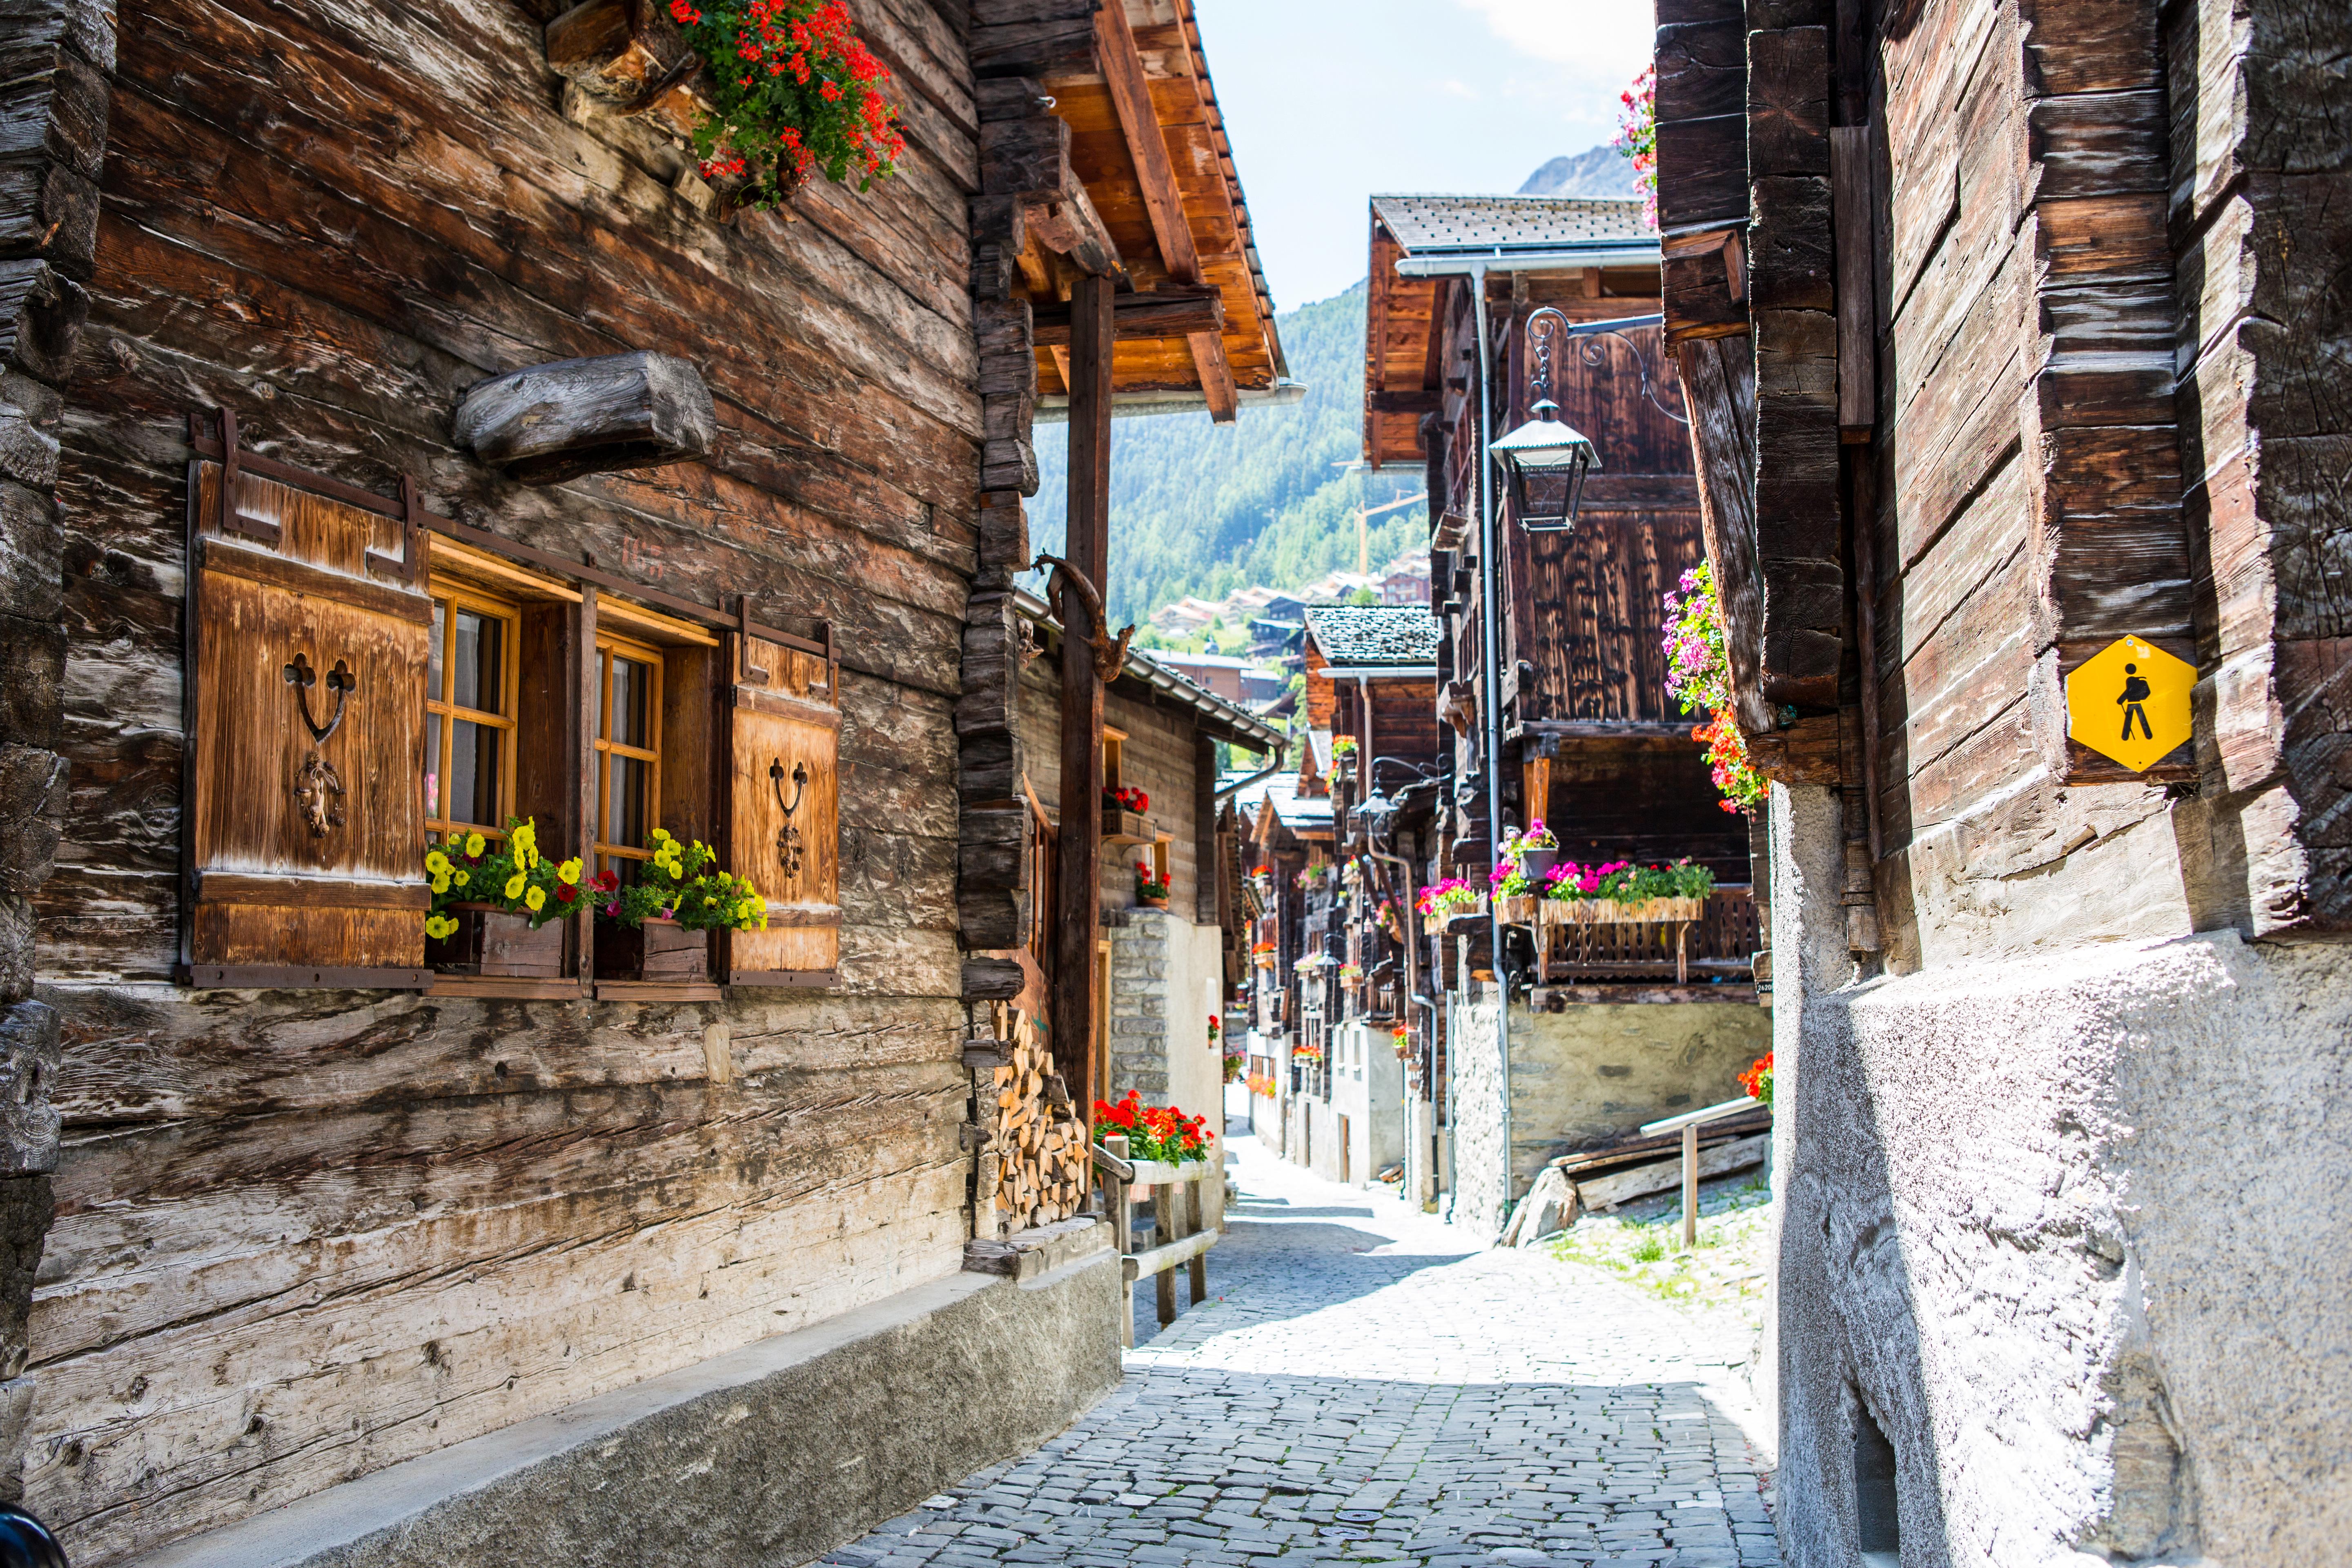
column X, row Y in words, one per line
column 403, row 436
column 2016, row 340
column 1570, row 724
column 1371, row 707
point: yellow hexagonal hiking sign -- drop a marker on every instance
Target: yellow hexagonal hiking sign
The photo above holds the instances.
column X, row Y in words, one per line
column 2130, row 701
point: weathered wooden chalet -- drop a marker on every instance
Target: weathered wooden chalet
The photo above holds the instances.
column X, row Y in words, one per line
column 402, row 439
column 1371, row 714
column 1166, row 964
column 2018, row 348
column 1571, row 723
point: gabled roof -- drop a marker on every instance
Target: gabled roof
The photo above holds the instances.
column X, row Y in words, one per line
column 1228, row 721
column 1426, row 223
column 1384, row 635
column 1160, row 42
column 1422, row 246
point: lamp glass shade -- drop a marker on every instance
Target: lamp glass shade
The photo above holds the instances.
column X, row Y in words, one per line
column 1545, row 462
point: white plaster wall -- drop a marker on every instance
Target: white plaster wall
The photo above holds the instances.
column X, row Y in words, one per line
column 1481, row 1164
column 1367, row 1088
column 1195, row 986
column 2076, row 1231
column 1167, row 974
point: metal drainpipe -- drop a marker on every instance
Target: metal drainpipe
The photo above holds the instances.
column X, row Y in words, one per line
column 1491, row 660
column 1404, row 870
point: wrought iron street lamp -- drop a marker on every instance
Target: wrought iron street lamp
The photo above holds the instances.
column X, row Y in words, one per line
column 1545, row 459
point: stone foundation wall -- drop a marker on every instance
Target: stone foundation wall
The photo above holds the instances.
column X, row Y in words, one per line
column 2067, row 1232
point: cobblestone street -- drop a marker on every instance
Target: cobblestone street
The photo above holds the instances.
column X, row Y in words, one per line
column 1362, row 1387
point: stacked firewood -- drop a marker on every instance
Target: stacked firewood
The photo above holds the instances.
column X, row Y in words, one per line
column 1034, row 1153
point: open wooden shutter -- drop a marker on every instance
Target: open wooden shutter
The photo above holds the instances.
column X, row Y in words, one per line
column 784, row 811
column 308, row 628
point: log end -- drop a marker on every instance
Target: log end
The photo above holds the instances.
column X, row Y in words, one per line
column 554, row 422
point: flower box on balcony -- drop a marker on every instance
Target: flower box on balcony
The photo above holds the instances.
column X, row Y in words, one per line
column 1127, row 827
column 1620, row 911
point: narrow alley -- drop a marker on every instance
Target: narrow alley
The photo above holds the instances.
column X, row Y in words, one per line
column 1366, row 1386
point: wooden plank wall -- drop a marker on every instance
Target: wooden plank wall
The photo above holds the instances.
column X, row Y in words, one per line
column 1792, row 307
column 2262, row 176
column 1156, row 757
column 2027, row 476
column 303, row 1235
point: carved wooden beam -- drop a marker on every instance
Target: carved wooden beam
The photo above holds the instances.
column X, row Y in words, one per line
column 556, row 421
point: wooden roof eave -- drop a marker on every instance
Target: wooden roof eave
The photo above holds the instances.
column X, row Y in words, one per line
column 1186, row 226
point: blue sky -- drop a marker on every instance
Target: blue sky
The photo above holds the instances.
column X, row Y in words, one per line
column 1329, row 101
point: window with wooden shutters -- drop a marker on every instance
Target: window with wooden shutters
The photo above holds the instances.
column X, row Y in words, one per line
column 309, row 634
column 783, row 827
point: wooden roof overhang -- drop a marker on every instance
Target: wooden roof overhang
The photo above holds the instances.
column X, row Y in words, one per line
column 1194, row 318
column 1442, row 239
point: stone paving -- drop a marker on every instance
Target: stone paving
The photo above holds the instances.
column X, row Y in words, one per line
column 1365, row 1387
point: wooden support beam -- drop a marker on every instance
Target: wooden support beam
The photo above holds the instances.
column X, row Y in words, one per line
column 1163, row 203
column 1170, row 313
column 1417, row 400
column 1720, row 385
column 1857, row 336
column 1076, row 876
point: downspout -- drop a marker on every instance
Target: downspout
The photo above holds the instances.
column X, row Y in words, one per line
column 1491, row 661
column 1281, row 749
column 1411, row 989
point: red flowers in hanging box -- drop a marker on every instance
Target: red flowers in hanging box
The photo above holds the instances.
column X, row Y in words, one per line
column 1129, row 799
column 1160, row 1133
column 794, row 91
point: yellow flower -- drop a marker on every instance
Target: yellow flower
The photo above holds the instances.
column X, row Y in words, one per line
column 461, row 877
column 569, row 871
column 474, row 842
column 441, row 878
column 673, row 870
column 436, row 862
column 514, row 885
column 535, row 899
column 439, row 926
column 661, row 835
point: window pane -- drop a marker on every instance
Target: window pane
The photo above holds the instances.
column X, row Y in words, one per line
column 473, row 782
column 432, row 687
column 482, row 640
column 624, row 801
column 632, row 689
column 433, row 761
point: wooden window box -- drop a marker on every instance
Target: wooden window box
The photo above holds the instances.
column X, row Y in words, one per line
column 657, row 953
column 1127, row 827
column 490, row 943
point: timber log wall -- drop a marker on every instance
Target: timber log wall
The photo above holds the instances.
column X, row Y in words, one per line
column 304, row 1234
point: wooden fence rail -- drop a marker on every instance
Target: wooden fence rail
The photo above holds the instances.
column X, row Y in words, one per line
column 1187, row 1214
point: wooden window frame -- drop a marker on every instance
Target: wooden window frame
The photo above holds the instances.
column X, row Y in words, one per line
column 482, row 572
column 603, row 748
column 458, row 594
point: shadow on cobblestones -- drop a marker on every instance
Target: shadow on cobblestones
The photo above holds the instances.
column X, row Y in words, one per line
column 1376, row 1392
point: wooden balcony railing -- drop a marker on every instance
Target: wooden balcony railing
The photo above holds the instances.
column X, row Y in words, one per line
column 1721, row 944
